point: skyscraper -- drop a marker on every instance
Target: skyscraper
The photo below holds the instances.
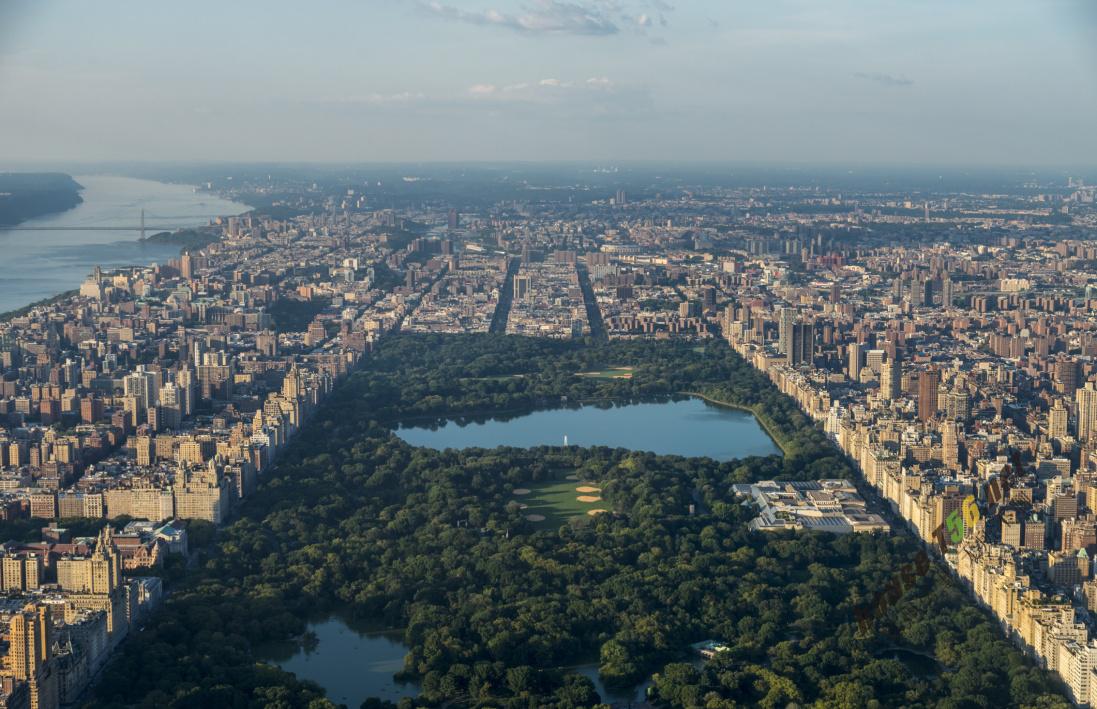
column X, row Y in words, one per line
column 1057, row 419
column 855, row 356
column 928, row 382
column 1035, row 533
column 891, row 376
column 1066, row 373
column 1011, row 528
column 924, row 293
column 950, row 445
column 144, row 385
column 803, row 344
column 958, row 404
column 30, row 654
column 184, row 380
column 522, row 287
column 786, row 319
column 1087, row 412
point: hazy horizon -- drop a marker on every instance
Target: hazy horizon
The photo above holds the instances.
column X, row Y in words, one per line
column 880, row 84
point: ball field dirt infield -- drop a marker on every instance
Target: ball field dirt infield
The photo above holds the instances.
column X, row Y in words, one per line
column 557, row 501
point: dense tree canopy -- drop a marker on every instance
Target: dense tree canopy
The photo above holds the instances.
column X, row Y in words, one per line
column 355, row 520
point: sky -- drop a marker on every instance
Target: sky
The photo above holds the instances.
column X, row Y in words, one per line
column 927, row 82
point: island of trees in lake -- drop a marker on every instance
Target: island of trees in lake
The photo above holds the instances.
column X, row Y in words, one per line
column 494, row 606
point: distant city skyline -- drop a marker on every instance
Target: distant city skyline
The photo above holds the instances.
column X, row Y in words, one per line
column 931, row 82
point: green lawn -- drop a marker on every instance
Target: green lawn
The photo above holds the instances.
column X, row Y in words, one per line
column 557, row 502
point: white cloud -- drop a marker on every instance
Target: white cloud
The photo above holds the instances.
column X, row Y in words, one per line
column 597, row 18
column 542, row 17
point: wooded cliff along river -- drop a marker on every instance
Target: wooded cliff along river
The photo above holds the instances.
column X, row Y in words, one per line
column 39, row 264
column 688, row 427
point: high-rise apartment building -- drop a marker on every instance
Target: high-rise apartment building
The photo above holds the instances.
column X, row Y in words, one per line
column 874, row 360
column 946, row 292
column 958, row 404
column 1057, row 420
column 950, row 445
column 1035, row 533
column 30, row 655
column 21, row 572
column 795, row 340
column 1067, row 375
column 144, row 449
column 185, row 382
column 928, row 381
column 522, row 287
column 802, row 349
column 1011, row 528
column 891, row 377
column 142, row 385
column 785, row 320
column 99, row 574
column 855, row 358
column 1087, row 411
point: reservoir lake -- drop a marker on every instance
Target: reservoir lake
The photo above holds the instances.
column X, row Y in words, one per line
column 686, row 427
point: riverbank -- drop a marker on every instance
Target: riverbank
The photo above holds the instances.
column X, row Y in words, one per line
column 184, row 239
column 20, row 312
column 99, row 231
column 27, row 195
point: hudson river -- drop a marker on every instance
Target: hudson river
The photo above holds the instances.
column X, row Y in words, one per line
column 39, row 264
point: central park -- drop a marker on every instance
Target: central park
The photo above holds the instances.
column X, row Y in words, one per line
column 499, row 569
